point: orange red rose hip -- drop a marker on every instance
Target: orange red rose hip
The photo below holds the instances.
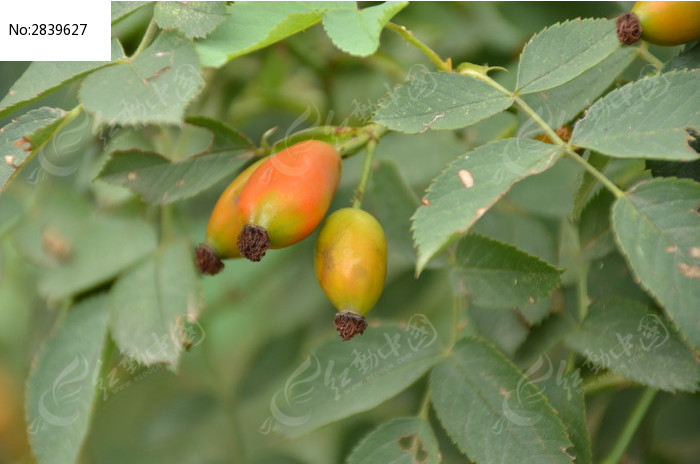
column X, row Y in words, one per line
column 275, row 203
column 279, row 201
column 660, row 23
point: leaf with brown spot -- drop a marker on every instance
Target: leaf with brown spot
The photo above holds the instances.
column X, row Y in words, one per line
column 466, row 178
column 23, row 144
column 494, row 168
column 653, row 217
column 406, row 440
column 23, row 137
column 692, row 272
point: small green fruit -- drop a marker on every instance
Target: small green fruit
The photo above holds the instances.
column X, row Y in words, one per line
column 350, row 263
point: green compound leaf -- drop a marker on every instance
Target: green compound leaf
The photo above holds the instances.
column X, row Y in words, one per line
column 43, row 77
column 357, row 31
column 151, row 304
column 649, row 118
column 255, row 25
column 470, row 186
column 340, row 379
column 439, row 100
column 102, row 248
column 61, row 388
column 498, row 275
column 626, row 337
column 194, row 19
column 559, row 105
column 121, row 10
column 23, row 137
column 492, row 411
column 657, row 226
column 564, row 51
column 153, row 87
column 406, row 440
column 158, row 180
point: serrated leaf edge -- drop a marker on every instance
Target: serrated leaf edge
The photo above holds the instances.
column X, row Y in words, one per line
column 683, row 337
column 551, row 27
column 419, row 267
column 498, row 353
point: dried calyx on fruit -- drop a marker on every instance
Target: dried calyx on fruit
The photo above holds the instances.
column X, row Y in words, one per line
column 274, row 203
column 224, row 226
column 350, row 262
column 660, row 23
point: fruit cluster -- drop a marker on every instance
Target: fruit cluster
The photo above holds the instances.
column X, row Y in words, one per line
column 280, row 200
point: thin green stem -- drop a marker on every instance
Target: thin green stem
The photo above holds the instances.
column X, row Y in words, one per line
column 366, row 172
column 458, row 302
column 425, row 405
column 355, row 144
column 553, row 136
column 442, row 65
column 147, row 38
column 456, row 309
column 582, row 291
column 644, row 53
column 628, row 431
column 607, row 183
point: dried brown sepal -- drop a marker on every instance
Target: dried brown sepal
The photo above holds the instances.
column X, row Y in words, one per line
column 207, row 260
column 629, row 29
column 348, row 323
column 564, row 133
column 253, row 242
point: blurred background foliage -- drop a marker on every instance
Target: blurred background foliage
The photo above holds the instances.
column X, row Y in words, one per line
column 260, row 320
